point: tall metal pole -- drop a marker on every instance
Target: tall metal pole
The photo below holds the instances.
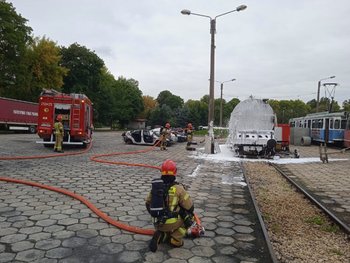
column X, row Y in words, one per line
column 222, row 87
column 210, row 141
column 318, row 91
column 211, row 84
column 318, row 95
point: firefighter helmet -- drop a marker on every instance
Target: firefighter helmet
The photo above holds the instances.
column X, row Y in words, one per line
column 168, row 168
column 59, row 117
column 167, row 125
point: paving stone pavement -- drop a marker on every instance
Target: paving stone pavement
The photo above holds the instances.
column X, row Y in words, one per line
column 329, row 182
column 38, row 225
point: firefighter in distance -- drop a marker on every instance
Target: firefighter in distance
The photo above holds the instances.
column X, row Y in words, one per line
column 171, row 208
column 164, row 135
column 59, row 131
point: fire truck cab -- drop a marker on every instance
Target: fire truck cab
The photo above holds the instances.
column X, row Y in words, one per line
column 77, row 117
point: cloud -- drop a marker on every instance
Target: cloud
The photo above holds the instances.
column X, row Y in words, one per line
column 275, row 49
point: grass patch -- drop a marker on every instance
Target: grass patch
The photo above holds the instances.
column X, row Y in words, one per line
column 336, row 251
column 266, row 217
column 323, row 224
column 276, row 228
column 316, row 220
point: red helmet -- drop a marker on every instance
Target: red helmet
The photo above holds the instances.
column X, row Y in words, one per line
column 167, row 125
column 168, row 168
column 59, row 117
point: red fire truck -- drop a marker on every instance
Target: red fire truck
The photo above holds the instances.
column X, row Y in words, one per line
column 77, row 117
column 18, row 115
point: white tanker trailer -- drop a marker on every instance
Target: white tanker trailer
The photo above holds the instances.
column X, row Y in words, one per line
column 251, row 129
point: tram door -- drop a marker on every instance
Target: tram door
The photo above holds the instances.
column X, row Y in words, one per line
column 326, row 130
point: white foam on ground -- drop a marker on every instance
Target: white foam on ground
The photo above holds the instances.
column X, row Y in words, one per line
column 227, row 155
column 195, row 172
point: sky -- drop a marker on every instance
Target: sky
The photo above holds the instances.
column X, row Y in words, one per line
column 274, row 49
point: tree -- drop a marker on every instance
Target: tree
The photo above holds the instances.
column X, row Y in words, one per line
column 325, row 104
column 198, row 112
column 15, row 35
column 160, row 115
column 103, row 101
column 85, row 70
column 149, row 104
column 217, row 104
column 287, row 109
column 167, row 98
column 44, row 67
column 346, row 105
column 127, row 100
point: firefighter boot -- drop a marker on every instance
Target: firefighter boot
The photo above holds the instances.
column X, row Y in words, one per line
column 157, row 236
column 176, row 243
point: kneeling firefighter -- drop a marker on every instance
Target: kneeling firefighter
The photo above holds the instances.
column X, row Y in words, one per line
column 171, row 208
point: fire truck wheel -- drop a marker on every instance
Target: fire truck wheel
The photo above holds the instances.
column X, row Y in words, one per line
column 32, row 129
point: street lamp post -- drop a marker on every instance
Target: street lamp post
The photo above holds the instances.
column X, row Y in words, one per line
column 222, row 87
column 212, row 67
column 318, row 91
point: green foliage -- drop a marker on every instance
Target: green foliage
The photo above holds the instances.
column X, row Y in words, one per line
column 346, row 105
column 160, row 115
column 85, row 70
column 15, row 35
column 197, row 112
column 325, row 104
column 127, row 100
column 167, row 98
column 321, row 222
column 287, row 109
column 44, row 67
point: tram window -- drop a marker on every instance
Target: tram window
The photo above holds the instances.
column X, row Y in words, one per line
column 343, row 124
column 309, row 123
column 305, row 123
column 320, row 123
column 314, row 124
column 336, row 124
column 331, row 123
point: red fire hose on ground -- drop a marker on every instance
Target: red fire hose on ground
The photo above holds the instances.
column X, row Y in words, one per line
column 95, row 158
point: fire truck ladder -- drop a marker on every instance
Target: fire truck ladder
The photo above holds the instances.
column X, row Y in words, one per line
column 75, row 125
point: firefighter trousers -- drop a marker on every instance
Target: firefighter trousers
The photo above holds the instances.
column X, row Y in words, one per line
column 174, row 232
column 58, row 142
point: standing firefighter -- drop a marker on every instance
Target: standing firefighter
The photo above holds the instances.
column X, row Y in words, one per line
column 59, row 134
column 171, row 209
column 164, row 135
column 189, row 133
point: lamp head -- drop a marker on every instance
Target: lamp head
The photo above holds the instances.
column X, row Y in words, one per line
column 241, row 8
column 185, row 12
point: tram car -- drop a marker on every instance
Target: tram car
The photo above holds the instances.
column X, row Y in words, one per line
column 323, row 127
column 347, row 133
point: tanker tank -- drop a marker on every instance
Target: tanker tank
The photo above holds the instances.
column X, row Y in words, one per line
column 251, row 129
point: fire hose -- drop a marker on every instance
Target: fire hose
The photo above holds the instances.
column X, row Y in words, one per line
column 93, row 208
